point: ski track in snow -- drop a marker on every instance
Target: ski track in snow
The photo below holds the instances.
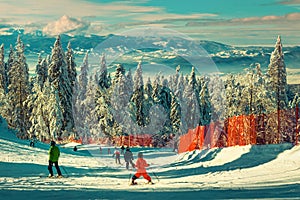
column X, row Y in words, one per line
column 235, row 172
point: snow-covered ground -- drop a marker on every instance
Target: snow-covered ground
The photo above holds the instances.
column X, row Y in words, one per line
column 248, row 172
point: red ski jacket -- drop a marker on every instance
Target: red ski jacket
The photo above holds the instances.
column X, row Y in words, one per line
column 141, row 165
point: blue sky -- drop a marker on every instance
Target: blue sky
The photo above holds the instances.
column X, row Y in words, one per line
column 236, row 22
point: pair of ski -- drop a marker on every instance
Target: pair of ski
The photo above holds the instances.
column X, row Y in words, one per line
column 54, row 177
column 147, row 183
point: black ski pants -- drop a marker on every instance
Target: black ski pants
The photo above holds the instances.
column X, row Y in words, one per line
column 56, row 166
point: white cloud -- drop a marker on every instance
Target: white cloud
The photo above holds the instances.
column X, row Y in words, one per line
column 169, row 16
column 31, row 11
column 288, row 17
column 63, row 25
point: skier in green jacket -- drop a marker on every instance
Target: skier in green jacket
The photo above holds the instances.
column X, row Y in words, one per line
column 53, row 159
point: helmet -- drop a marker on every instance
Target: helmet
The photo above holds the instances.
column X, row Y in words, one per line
column 140, row 155
column 52, row 143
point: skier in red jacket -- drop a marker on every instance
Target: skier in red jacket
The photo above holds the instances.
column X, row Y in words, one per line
column 141, row 165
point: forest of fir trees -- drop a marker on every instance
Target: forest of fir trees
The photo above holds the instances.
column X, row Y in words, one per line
column 59, row 102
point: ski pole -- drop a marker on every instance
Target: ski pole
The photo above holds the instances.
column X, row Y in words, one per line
column 155, row 175
column 129, row 178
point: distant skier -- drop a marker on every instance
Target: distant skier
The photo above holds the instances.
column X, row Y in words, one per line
column 54, row 154
column 128, row 157
column 141, row 165
column 75, row 148
column 122, row 149
column 33, row 141
column 116, row 154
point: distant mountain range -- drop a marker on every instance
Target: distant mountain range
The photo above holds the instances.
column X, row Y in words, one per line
column 167, row 51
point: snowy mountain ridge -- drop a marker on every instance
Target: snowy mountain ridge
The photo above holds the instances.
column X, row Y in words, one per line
column 167, row 51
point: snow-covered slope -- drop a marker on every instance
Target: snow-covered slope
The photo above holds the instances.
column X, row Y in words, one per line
column 248, row 172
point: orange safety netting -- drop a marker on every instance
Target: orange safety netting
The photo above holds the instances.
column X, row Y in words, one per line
column 134, row 140
column 241, row 130
column 194, row 139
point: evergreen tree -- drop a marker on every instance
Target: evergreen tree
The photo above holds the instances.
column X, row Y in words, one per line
column 19, row 91
column 9, row 63
column 277, row 75
column 56, row 118
column 278, row 85
column 59, row 80
column 71, row 66
column 39, row 117
column 4, row 105
column 232, row 95
column 83, row 78
column 149, row 102
column 166, row 101
column 192, row 114
column 205, row 105
column 216, row 89
column 138, row 97
column 175, row 114
column 120, row 102
column 41, row 71
column 88, row 122
column 2, row 69
column 103, row 75
column 120, row 70
column 179, row 93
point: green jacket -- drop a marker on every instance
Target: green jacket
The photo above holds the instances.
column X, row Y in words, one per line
column 54, row 153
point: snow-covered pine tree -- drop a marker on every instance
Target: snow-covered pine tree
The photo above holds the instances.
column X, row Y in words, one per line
column 72, row 74
column 295, row 126
column 156, row 126
column 216, row 89
column 41, row 71
column 120, row 101
column 277, row 75
column 9, row 63
column 79, row 96
column 4, row 105
column 205, row 105
column 175, row 115
column 56, row 118
column 18, row 91
column 295, row 102
column 166, row 101
column 2, row 69
column 138, row 97
column 156, row 89
column 120, row 70
column 179, row 93
column 103, row 104
column 277, row 83
column 129, row 79
column 103, row 75
column 83, row 78
column 192, row 114
column 87, row 123
column 105, row 116
column 37, row 101
column 148, row 99
column 232, row 95
column 173, row 84
column 59, row 80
